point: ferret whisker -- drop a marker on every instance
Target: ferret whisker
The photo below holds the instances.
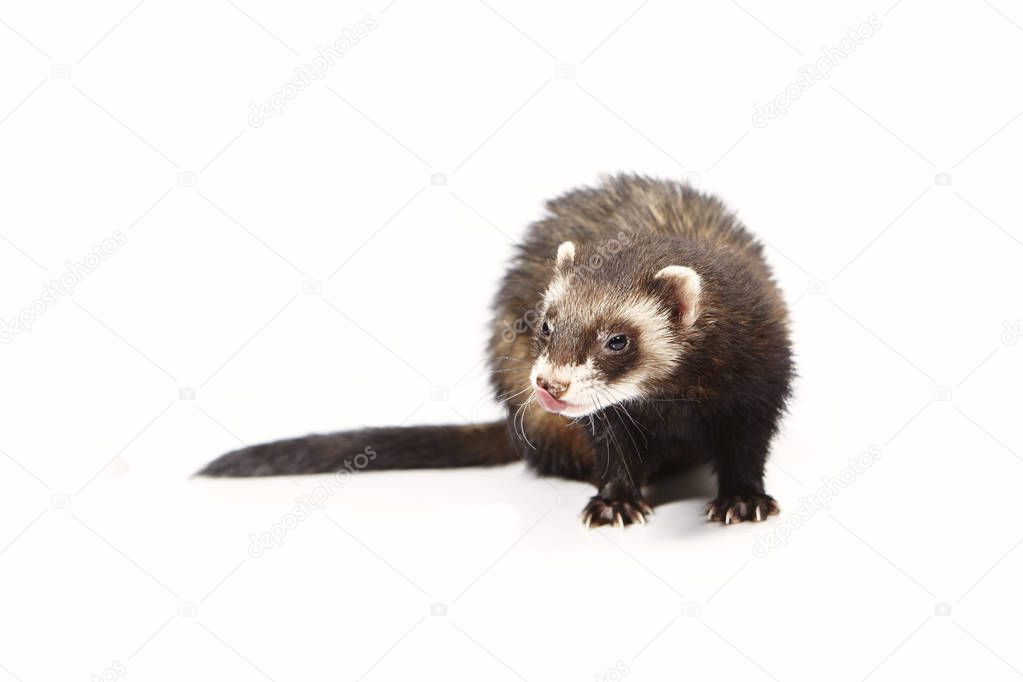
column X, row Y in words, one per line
column 623, row 408
column 627, row 431
column 507, row 398
column 522, row 420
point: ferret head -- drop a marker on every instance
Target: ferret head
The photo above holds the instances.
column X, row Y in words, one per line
column 609, row 330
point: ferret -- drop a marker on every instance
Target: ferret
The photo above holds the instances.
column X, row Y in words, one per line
column 637, row 331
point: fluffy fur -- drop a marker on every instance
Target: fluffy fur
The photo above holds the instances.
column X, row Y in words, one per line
column 649, row 311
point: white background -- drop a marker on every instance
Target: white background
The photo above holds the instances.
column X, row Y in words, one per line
column 904, row 292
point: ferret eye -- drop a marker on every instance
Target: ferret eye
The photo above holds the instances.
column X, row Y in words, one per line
column 617, row 343
column 545, row 329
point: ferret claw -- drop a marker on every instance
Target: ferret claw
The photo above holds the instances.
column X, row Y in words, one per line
column 614, row 512
column 736, row 509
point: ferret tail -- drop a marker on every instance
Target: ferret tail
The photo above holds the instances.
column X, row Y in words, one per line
column 402, row 447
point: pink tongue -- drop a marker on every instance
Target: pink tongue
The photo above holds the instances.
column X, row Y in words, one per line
column 549, row 402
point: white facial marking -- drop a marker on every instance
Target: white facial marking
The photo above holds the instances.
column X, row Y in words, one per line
column 656, row 338
column 555, row 290
column 578, row 378
column 587, row 390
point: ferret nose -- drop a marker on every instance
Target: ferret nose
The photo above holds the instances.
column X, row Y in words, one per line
column 554, row 388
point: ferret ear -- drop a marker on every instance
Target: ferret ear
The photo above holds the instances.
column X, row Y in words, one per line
column 686, row 284
column 566, row 255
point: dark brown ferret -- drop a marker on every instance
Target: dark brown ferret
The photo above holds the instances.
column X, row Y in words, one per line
column 637, row 330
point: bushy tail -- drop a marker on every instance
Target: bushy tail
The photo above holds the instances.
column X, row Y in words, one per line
column 403, row 447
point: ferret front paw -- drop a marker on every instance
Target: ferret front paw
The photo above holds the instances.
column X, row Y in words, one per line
column 618, row 512
column 736, row 508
